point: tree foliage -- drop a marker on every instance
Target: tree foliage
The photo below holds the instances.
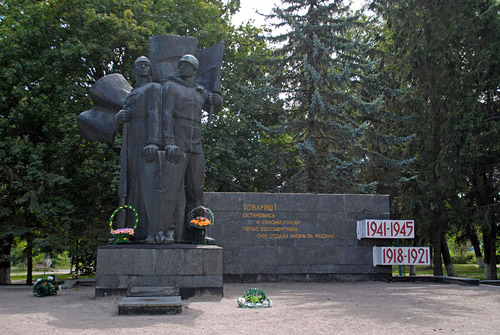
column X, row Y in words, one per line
column 334, row 103
column 243, row 153
column 444, row 52
column 56, row 189
column 320, row 113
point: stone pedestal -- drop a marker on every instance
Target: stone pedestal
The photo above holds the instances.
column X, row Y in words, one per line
column 195, row 269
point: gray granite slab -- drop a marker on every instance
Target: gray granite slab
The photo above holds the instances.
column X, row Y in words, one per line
column 150, row 305
column 266, row 234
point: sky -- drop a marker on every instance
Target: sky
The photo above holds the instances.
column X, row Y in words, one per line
column 249, row 8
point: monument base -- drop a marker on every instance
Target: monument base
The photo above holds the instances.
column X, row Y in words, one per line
column 150, row 305
column 307, row 277
column 151, row 300
column 194, row 269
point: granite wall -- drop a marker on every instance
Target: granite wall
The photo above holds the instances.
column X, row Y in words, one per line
column 296, row 236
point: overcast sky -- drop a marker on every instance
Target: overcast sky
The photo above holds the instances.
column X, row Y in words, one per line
column 249, row 8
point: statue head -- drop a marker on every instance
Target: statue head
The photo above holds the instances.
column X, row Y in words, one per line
column 143, row 68
column 191, row 60
column 188, row 66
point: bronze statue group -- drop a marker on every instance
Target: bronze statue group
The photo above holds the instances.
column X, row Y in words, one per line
column 162, row 164
column 163, row 170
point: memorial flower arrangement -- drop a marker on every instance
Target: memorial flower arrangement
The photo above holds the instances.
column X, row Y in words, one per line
column 201, row 217
column 200, row 222
column 123, row 235
column 254, row 298
column 45, row 287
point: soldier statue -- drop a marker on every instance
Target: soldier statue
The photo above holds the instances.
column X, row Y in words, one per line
column 139, row 122
column 183, row 102
column 162, row 161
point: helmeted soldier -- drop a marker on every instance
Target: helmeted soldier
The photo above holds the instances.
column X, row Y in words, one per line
column 140, row 122
column 183, row 102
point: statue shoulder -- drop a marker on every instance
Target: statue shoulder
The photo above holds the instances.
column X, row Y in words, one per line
column 154, row 87
column 172, row 82
column 169, row 86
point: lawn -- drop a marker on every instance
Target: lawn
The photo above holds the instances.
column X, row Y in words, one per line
column 20, row 274
column 463, row 270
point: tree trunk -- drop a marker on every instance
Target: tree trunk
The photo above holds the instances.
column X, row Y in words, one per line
column 5, row 258
column 413, row 270
column 312, row 171
column 471, row 233
column 436, row 246
column 445, row 251
column 29, row 259
column 480, row 261
column 490, row 259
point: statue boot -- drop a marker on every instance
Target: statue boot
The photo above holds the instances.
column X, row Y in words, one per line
column 169, row 239
column 150, row 239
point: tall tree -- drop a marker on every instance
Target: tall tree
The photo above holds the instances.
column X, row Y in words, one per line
column 443, row 51
column 56, row 190
column 334, row 105
column 243, row 153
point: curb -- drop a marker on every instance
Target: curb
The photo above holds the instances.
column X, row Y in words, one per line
column 437, row 279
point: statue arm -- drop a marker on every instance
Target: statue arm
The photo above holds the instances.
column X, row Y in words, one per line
column 168, row 107
column 213, row 99
column 153, row 105
column 167, row 115
column 119, row 122
column 153, row 112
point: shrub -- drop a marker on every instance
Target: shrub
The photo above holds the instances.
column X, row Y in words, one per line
column 467, row 257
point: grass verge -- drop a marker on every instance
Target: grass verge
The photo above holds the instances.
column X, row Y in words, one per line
column 462, row 270
column 61, row 276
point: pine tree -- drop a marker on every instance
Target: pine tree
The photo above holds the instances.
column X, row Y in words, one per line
column 334, row 99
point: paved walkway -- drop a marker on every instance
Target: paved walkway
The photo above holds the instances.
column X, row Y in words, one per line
column 298, row 308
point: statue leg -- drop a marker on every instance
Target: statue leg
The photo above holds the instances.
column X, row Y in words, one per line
column 172, row 177
column 194, row 181
column 151, row 199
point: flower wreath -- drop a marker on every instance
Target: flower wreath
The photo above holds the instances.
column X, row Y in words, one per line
column 46, row 287
column 254, row 298
column 201, row 217
column 123, row 235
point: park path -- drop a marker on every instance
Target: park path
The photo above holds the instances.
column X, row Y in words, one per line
column 298, row 308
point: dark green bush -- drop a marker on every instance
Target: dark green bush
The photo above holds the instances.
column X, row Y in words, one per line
column 464, row 258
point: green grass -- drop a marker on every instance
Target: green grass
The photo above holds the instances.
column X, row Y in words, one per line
column 462, row 270
column 62, row 276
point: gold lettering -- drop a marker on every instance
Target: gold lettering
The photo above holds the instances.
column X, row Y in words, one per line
column 279, row 229
column 259, row 215
column 278, row 235
column 291, row 222
column 324, row 235
column 260, row 208
column 272, row 222
column 297, row 236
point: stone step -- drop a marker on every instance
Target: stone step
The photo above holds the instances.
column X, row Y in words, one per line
column 152, row 291
column 150, row 305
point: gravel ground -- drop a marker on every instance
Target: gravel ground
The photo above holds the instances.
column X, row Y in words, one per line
column 298, row 308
